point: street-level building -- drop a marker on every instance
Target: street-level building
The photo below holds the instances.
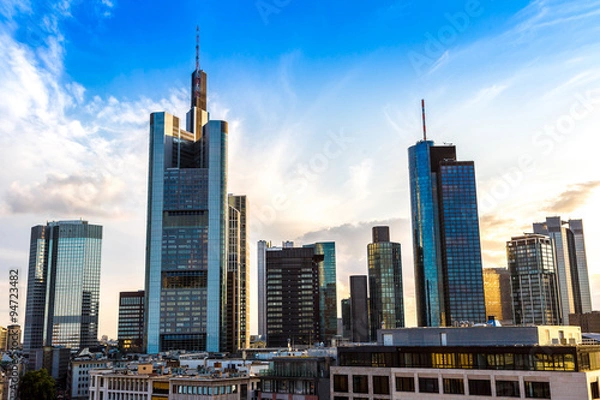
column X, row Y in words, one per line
column 472, row 363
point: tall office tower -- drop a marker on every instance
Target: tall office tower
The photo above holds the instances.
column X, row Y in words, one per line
column 130, row 332
column 63, row 287
column 186, row 237
column 327, row 290
column 346, row 319
column 571, row 264
column 359, row 308
column 582, row 283
column 385, row 282
column 292, row 296
column 261, row 266
column 237, row 335
column 446, row 244
column 533, row 276
column 497, row 290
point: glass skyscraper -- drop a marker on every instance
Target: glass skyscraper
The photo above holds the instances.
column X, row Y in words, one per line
column 327, row 289
column 238, row 274
column 186, row 245
column 571, row 264
column 385, row 282
column 446, row 243
column 533, row 277
column 63, row 288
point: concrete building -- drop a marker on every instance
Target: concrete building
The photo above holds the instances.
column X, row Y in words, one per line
column 297, row 378
column 588, row 322
column 78, row 377
column 474, row 363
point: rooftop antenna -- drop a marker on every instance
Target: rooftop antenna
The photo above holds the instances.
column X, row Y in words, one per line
column 423, row 114
column 197, row 48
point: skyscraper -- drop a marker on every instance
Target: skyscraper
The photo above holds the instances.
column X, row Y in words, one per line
column 238, row 313
column 571, row 264
column 359, row 308
column 327, row 289
column 186, row 242
column 497, row 290
column 261, row 266
column 385, row 282
column 63, row 287
column 292, row 296
column 446, row 243
column 131, row 322
column 533, row 277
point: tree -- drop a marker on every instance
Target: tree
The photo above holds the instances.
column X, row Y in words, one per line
column 37, row 385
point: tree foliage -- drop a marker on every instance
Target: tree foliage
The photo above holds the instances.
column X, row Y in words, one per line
column 38, row 385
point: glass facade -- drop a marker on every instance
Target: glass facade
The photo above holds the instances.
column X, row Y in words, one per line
column 533, row 278
column 65, row 259
column 131, row 322
column 327, row 290
column 385, row 283
column 461, row 248
column 186, row 251
column 446, row 242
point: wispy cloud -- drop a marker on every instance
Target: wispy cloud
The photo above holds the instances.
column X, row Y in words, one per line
column 572, row 198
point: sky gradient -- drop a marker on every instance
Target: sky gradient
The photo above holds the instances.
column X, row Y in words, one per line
column 323, row 101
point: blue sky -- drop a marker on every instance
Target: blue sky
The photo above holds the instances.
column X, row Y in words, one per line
column 323, row 100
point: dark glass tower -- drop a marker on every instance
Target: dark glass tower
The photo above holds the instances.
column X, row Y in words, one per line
column 359, row 308
column 131, row 322
column 63, row 289
column 385, row 282
column 292, row 296
column 533, row 276
column 446, row 243
column 327, row 290
column 186, row 239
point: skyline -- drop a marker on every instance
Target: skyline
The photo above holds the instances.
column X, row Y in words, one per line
column 323, row 103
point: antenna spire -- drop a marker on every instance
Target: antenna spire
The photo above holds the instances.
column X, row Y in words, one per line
column 423, row 116
column 197, row 48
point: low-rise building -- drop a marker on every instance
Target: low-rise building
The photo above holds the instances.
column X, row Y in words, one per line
column 478, row 362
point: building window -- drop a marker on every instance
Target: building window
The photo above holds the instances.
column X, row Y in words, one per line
column 507, row 389
column 429, row 385
column 340, row 383
column 405, row 384
column 481, row 387
column 360, row 384
column 381, row 385
column 454, row 386
column 595, row 389
column 537, row 390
